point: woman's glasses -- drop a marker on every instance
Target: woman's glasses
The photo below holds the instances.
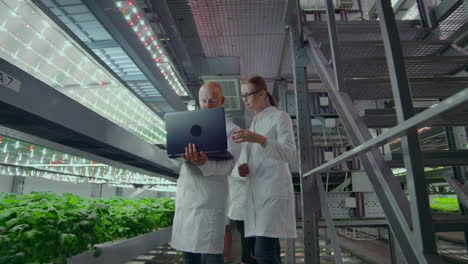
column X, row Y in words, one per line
column 244, row 96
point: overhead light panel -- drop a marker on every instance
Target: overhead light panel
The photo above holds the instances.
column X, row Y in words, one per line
column 25, row 159
column 142, row 29
column 30, row 40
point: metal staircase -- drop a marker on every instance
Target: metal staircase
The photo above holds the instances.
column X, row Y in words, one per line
column 383, row 60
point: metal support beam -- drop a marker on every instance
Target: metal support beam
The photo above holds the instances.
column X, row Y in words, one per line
column 167, row 21
column 69, row 123
column 398, row 131
column 387, row 188
column 309, row 195
column 364, row 9
column 456, row 139
column 96, row 190
column 397, row 6
column 17, row 185
column 395, row 250
column 117, row 26
column 102, row 44
column 119, row 191
column 328, row 219
column 290, row 257
column 425, row 13
column 459, row 189
column 341, row 187
column 446, row 8
column 334, row 44
column 282, row 93
column 416, row 182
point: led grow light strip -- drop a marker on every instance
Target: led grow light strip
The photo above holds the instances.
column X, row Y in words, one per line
column 20, row 153
column 143, row 31
column 29, row 40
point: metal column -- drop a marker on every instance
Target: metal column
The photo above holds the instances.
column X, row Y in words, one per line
column 334, row 46
column 416, row 181
column 395, row 251
column 386, row 186
column 309, row 195
column 119, row 191
column 331, row 231
column 96, row 190
column 17, row 185
column 426, row 15
column 456, row 139
column 280, row 93
column 391, row 196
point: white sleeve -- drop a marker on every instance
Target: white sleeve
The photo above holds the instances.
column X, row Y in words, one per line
column 176, row 163
column 282, row 148
column 242, row 159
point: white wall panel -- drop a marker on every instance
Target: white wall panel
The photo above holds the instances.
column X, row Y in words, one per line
column 5, row 183
column 41, row 185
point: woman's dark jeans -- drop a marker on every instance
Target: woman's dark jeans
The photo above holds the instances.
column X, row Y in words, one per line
column 267, row 250
column 195, row 258
column 247, row 243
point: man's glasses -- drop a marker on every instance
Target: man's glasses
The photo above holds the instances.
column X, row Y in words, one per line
column 208, row 101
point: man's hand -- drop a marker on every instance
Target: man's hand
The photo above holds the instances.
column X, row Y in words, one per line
column 243, row 170
column 191, row 154
column 245, row 135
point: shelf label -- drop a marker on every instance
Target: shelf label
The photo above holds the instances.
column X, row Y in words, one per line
column 9, row 82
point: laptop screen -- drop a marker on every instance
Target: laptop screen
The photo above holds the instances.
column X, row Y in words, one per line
column 205, row 128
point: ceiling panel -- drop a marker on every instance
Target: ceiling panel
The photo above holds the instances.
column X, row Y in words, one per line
column 250, row 29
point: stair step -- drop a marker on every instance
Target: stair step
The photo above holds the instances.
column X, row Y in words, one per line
column 450, row 223
column 368, row 67
column 356, row 223
column 431, row 158
column 364, row 30
column 425, row 87
column 382, row 118
column 410, row 48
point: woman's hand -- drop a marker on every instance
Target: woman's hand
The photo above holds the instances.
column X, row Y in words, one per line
column 191, row 154
column 245, row 135
column 243, row 170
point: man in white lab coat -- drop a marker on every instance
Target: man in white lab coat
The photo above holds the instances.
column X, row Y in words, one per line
column 202, row 191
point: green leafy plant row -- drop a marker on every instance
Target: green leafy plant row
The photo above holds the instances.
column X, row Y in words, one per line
column 449, row 205
column 44, row 227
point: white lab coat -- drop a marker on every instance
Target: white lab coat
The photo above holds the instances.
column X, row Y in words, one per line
column 237, row 196
column 201, row 200
column 269, row 207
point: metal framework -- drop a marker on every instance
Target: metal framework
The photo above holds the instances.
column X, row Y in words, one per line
column 309, row 194
column 412, row 234
column 169, row 96
column 67, row 122
column 120, row 31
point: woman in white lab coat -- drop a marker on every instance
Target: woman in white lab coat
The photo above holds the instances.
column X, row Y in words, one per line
column 268, row 147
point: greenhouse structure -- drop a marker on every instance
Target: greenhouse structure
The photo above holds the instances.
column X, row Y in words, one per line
column 374, row 93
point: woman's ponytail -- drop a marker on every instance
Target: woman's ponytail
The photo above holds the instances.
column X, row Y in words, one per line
column 272, row 100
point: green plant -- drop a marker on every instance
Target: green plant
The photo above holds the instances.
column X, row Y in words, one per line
column 445, row 205
column 46, row 227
